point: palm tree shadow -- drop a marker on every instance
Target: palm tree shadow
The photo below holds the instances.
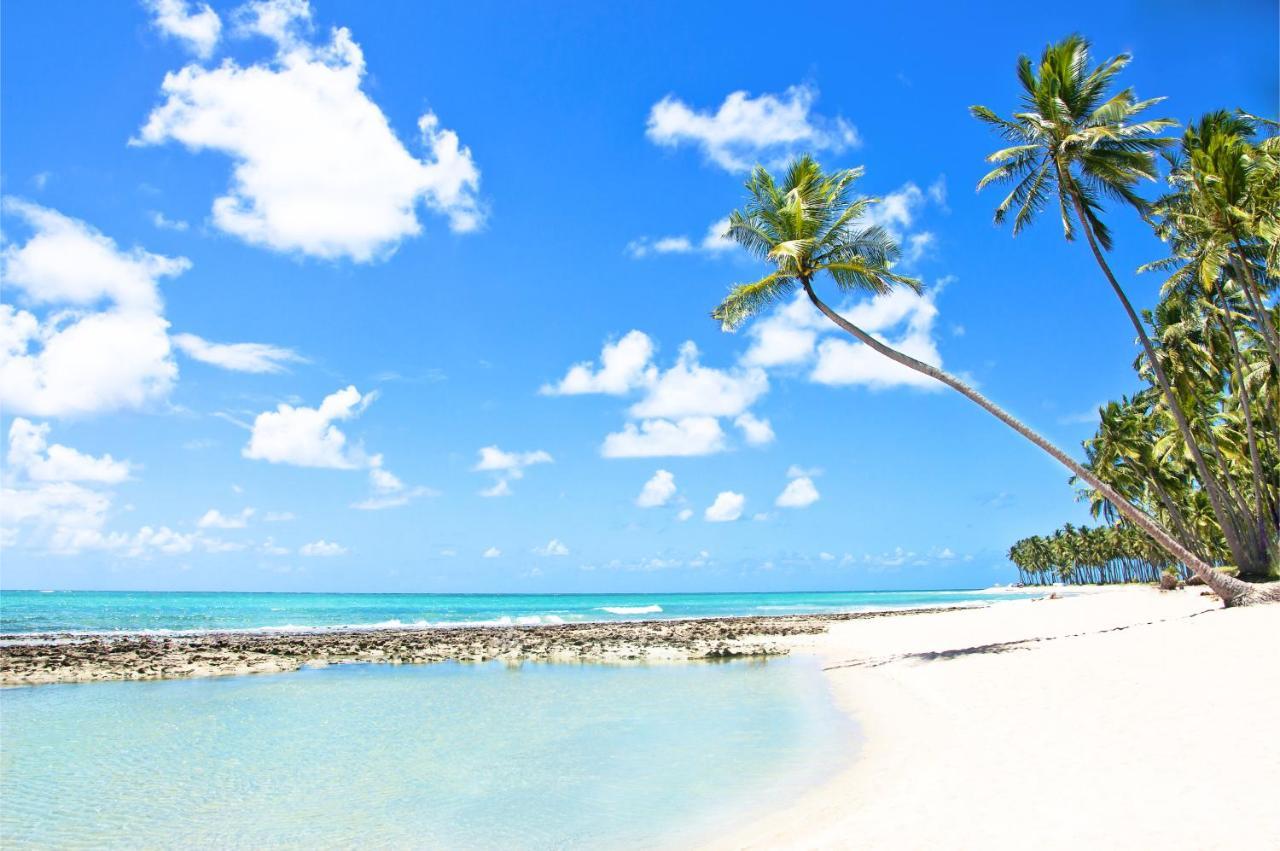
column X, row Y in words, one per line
column 993, row 648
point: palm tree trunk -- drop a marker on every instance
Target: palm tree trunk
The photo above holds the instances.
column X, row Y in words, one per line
column 1246, row 559
column 1256, row 304
column 1232, row 591
column 1262, row 499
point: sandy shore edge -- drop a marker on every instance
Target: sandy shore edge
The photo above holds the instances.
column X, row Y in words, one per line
column 1126, row 718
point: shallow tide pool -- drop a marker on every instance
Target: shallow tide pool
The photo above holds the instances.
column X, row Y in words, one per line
column 441, row 756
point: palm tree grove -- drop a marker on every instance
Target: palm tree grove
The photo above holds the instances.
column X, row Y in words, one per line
column 1183, row 473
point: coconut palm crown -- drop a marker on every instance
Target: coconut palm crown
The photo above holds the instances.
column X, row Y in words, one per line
column 808, row 224
column 1074, row 140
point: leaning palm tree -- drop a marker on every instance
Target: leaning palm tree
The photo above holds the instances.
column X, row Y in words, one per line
column 812, row 227
column 1075, row 142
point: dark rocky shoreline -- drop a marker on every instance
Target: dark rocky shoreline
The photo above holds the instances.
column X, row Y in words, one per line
column 78, row 658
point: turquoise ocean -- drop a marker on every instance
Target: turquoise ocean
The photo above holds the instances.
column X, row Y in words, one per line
column 185, row 612
column 466, row 756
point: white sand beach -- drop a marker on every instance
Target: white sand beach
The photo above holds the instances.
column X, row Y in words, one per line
column 1121, row 718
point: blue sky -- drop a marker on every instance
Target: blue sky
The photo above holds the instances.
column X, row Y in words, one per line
column 316, row 297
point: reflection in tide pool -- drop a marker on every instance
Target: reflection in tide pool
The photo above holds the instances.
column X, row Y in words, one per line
column 452, row 756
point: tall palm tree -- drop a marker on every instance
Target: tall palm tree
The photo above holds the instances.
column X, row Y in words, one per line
column 811, row 226
column 1075, row 140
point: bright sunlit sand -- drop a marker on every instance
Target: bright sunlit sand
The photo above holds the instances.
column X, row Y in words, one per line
column 1126, row 718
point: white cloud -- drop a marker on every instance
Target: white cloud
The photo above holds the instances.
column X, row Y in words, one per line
column 795, row 334
column 66, row 516
column 318, row 169
column 491, row 552
column 726, row 508
column 800, row 492
column 678, row 410
column 499, row 488
column 103, row 344
column 713, row 243
column 307, row 437
column 279, row 516
column 495, row 459
column 661, row 438
column 271, row 548
column 215, row 519
column 786, row 336
column 745, row 130
column 917, row 246
column 507, row 467
column 757, row 432
column 554, row 547
column 163, row 222
column 197, row 26
column 684, row 514
column 237, row 357
column 322, row 548
column 657, row 491
column 163, row 540
column 689, row 389
column 715, row 240
column 387, row 491
column 31, row 455
column 624, row 366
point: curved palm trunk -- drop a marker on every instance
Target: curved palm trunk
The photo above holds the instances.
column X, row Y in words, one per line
column 1232, row 591
column 1262, row 500
column 1256, row 303
column 1247, row 559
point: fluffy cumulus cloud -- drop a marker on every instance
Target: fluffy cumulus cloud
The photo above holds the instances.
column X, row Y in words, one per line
column 308, row 437
column 90, row 335
column 31, row 455
column 215, row 519
column 625, row 364
column 491, row 552
column 712, row 244
column 386, row 490
column 102, row 342
column 507, row 467
column 196, row 26
column 795, row 335
column 52, row 501
column 746, row 130
column 726, row 508
column 658, row 490
column 901, row 319
column 237, row 357
column 755, row 431
column 318, row 169
column 554, row 547
column 679, row 408
column 800, row 492
column 664, row 438
column 322, row 549
column 689, row 389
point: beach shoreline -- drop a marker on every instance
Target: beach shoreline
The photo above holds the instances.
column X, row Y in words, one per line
column 1116, row 719
column 27, row 659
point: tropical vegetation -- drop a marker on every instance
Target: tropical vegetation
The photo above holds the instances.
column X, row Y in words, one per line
column 1186, row 472
column 1092, row 556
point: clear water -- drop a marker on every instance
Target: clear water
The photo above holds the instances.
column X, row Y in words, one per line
column 128, row 611
column 439, row 756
